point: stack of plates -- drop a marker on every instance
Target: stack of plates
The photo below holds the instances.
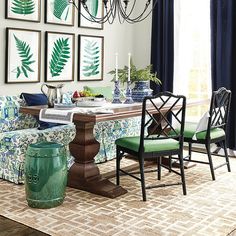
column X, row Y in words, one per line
column 64, row 106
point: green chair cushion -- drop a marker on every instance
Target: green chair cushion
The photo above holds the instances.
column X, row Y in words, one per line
column 106, row 91
column 190, row 129
column 132, row 143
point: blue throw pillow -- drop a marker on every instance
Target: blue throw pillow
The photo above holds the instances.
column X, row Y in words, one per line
column 36, row 100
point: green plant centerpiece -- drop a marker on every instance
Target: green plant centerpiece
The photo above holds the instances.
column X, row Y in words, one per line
column 141, row 79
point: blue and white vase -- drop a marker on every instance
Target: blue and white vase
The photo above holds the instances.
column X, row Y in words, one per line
column 128, row 94
column 116, row 93
column 141, row 90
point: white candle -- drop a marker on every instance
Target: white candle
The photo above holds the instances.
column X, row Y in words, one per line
column 129, row 59
column 116, row 78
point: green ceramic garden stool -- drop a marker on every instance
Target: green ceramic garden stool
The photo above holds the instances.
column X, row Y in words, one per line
column 45, row 174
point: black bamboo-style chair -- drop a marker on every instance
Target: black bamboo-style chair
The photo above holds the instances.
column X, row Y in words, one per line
column 215, row 131
column 159, row 111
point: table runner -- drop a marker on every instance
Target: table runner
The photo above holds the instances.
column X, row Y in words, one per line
column 62, row 116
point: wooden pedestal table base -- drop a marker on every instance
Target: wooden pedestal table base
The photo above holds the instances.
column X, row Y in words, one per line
column 84, row 174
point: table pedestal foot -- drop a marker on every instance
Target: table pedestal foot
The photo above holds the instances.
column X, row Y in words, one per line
column 87, row 177
column 102, row 187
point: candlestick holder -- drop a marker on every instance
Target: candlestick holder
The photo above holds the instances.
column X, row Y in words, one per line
column 116, row 95
column 128, row 94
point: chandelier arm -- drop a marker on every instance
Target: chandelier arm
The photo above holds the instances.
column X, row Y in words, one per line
column 103, row 19
column 123, row 11
column 120, row 17
column 74, row 4
column 119, row 13
column 132, row 21
column 108, row 14
column 140, row 18
column 113, row 11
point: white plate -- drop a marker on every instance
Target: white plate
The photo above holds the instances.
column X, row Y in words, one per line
column 90, row 103
column 64, row 106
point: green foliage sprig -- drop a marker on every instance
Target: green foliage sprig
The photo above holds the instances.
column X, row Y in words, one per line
column 144, row 74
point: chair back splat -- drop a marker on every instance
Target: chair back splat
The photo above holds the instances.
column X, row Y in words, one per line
column 219, row 109
column 166, row 113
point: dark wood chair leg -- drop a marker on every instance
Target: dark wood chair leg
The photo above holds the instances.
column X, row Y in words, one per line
column 210, row 161
column 117, row 166
column 159, row 168
column 170, row 163
column 226, row 156
column 181, row 162
column 189, row 151
column 141, row 165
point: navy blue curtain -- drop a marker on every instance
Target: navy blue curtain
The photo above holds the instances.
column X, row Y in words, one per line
column 223, row 41
column 162, row 48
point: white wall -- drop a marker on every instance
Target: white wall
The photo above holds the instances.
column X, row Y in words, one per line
column 142, row 40
column 117, row 38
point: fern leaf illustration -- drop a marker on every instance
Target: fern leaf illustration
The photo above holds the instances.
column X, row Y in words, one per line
column 18, row 72
column 60, row 6
column 23, row 7
column 93, row 7
column 25, row 72
column 91, row 59
column 60, row 56
column 24, row 52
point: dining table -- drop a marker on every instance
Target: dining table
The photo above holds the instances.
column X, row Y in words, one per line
column 84, row 174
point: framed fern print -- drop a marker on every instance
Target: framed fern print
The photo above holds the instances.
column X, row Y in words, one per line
column 96, row 9
column 59, row 12
column 28, row 10
column 23, row 57
column 90, row 57
column 59, row 56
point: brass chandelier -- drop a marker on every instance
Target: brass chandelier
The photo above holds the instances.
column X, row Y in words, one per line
column 121, row 9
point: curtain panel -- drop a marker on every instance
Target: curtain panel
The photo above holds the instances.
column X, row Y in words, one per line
column 223, row 55
column 162, row 46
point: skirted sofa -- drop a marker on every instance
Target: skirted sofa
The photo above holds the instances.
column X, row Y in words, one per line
column 18, row 130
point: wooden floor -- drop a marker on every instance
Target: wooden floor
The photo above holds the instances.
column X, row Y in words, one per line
column 12, row 228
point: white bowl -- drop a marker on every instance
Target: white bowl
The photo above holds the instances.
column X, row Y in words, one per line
column 99, row 99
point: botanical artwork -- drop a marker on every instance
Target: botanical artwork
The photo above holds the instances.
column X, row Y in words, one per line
column 28, row 10
column 60, row 56
column 59, row 12
column 23, row 55
column 95, row 8
column 24, row 51
column 90, row 58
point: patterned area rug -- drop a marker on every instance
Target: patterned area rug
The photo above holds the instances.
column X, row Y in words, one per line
column 208, row 209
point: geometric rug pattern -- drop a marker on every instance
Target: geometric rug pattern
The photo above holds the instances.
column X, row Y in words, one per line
column 209, row 208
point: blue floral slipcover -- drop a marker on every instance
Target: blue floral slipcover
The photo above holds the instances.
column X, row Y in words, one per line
column 112, row 130
column 17, row 131
column 10, row 118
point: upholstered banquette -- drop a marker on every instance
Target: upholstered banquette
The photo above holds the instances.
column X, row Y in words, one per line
column 18, row 130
